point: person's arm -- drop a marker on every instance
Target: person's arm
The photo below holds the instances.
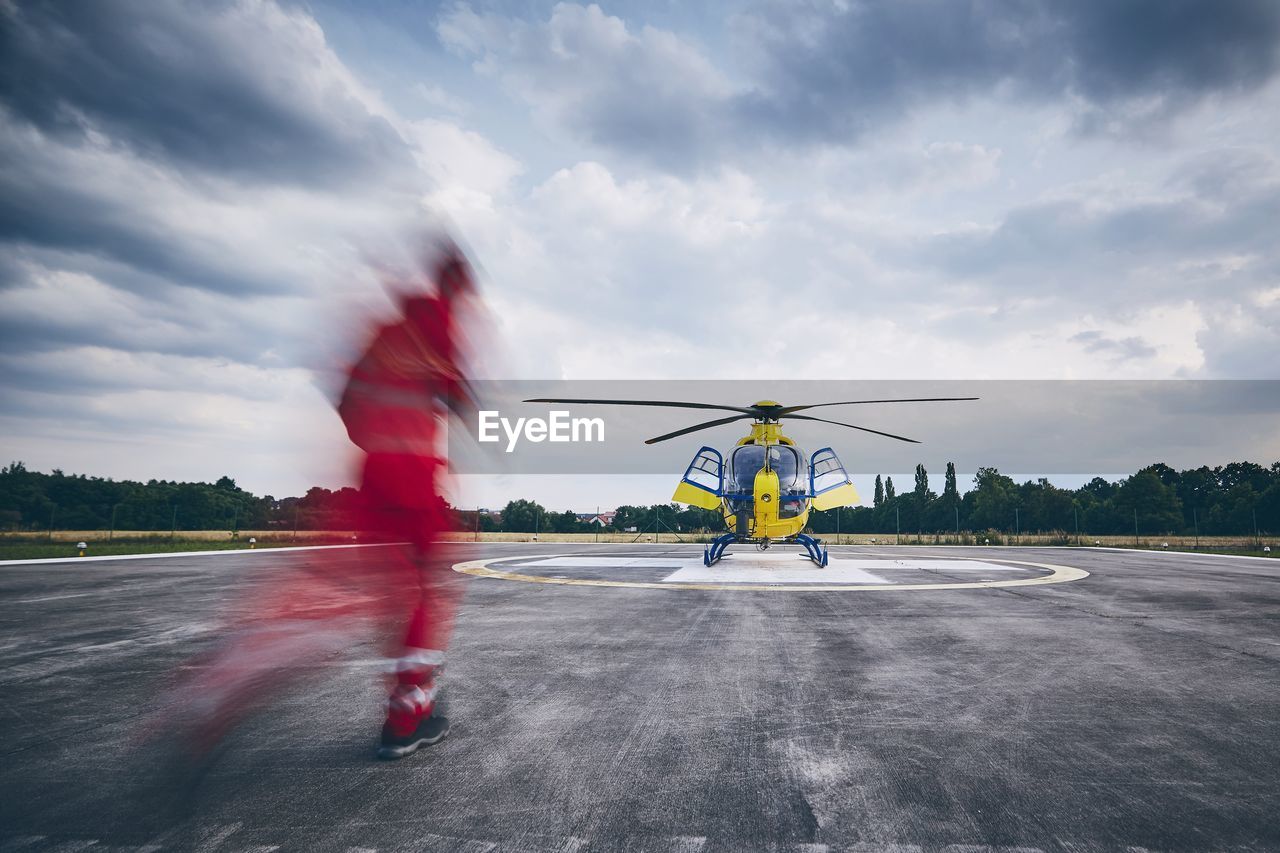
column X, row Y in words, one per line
column 460, row 398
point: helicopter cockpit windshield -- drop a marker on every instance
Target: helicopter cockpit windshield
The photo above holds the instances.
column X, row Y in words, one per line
column 747, row 461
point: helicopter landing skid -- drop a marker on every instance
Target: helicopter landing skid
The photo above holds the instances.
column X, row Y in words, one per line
column 812, row 548
column 712, row 555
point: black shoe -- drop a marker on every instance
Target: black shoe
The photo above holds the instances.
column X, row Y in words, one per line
column 431, row 730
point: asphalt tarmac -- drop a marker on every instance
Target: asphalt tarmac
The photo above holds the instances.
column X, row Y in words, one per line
column 1136, row 708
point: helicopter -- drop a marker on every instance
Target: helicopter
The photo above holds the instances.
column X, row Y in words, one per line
column 767, row 489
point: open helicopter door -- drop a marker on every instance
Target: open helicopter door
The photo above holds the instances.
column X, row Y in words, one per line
column 703, row 481
column 828, row 481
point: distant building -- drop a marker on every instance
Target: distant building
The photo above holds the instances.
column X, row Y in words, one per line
column 603, row 519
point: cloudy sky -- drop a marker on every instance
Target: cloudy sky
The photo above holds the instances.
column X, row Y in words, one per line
column 196, row 198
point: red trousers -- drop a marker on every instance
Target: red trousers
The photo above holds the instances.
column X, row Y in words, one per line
column 320, row 602
column 400, row 504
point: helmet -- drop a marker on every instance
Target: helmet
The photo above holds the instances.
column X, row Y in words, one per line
column 453, row 273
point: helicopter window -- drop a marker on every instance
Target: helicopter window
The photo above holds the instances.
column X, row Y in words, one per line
column 782, row 459
column 749, row 459
column 828, row 473
column 705, row 470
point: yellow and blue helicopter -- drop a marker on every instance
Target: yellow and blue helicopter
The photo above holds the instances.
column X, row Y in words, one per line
column 767, row 487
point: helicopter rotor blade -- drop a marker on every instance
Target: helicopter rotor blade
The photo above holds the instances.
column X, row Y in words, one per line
column 786, row 410
column 852, row 426
column 664, row 403
column 765, row 413
column 696, row 427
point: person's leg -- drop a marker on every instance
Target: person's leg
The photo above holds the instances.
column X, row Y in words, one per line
column 412, row 709
column 421, row 660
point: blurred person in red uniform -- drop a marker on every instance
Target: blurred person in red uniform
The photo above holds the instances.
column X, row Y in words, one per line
column 397, row 393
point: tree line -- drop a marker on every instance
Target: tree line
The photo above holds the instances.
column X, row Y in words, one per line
column 526, row 516
column 1242, row 498
column 33, row 501
column 1239, row 499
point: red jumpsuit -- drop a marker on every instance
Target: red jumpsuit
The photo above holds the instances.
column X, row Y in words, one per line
column 317, row 604
column 394, row 398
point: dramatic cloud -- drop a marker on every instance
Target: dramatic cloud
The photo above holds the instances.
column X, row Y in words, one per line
column 648, row 92
column 1124, row 348
column 187, row 190
column 1164, row 233
column 245, row 89
column 828, row 73
column 832, row 70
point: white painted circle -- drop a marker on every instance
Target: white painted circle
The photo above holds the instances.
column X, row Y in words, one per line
column 491, row 568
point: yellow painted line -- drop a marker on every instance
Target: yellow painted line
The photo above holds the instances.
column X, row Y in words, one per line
column 1057, row 574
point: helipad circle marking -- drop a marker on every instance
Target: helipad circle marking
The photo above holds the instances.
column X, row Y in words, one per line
column 1057, row 574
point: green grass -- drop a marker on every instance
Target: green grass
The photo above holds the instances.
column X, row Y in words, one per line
column 35, row 550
